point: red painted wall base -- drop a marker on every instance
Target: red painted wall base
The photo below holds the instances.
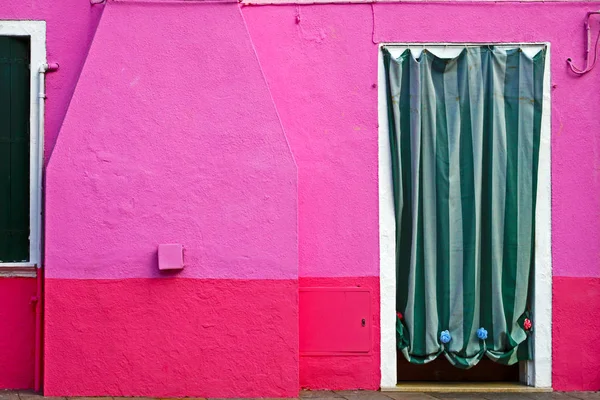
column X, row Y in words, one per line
column 134, row 328
column 17, row 333
column 576, row 334
column 337, row 372
column 171, row 338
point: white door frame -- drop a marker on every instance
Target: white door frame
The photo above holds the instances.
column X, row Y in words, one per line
column 538, row 372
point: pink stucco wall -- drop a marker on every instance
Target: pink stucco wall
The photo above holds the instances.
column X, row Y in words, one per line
column 178, row 131
column 575, row 344
column 70, row 28
column 324, row 85
column 17, row 332
column 344, row 371
column 322, row 73
column 172, row 137
column 221, row 338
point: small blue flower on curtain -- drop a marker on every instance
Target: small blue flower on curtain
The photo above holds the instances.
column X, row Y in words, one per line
column 445, row 337
column 482, row 333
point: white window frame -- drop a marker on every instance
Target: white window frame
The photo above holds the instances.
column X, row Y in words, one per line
column 36, row 31
column 538, row 372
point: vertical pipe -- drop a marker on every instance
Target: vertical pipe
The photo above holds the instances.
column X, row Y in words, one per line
column 38, row 331
column 39, row 310
column 37, row 383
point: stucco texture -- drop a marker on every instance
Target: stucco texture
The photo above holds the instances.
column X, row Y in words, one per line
column 171, row 137
column 17, row 332
column 70, row 28
column 172, row 338
column 349, row 371
column 575, row 334
column 324, row 86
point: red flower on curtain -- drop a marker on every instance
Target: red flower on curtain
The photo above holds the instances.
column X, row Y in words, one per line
column 527, row 324
column 399, row 315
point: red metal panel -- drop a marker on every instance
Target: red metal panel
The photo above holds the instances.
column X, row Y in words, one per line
column 335, row 321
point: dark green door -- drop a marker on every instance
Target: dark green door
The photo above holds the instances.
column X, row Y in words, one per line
column 14, row 148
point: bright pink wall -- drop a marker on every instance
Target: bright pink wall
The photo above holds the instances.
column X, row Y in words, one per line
column 575, row 122
column 576, row 344
column 17, row 332
column 70, row 28
column 350, row 371
column 321, row 65
column 172, row 338
column 171, row 137
column 324, row 86
column 322, row 74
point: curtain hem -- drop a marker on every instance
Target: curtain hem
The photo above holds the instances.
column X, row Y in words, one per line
column 520, row 351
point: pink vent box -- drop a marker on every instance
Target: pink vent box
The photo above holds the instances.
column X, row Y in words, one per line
column 170, row 256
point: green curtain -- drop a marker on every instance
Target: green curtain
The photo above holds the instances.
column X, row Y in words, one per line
column 465, row 138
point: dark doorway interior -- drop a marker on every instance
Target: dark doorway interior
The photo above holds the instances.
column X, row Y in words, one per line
column 440, row 370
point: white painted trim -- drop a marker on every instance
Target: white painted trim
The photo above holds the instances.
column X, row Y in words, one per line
column 36, row 30
column 10, row 265
column 538, row 372
column 18, row 271
column 387, row 241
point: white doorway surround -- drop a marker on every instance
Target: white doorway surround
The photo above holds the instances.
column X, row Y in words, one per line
column 538, row 372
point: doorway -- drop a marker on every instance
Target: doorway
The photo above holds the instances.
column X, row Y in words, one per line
column 536, row 372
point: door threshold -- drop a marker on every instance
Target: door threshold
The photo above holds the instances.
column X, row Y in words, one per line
column 465, row 387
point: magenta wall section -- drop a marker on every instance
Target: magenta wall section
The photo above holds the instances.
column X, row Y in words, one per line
column 321, row 66
column 17, row 332
column 575, row 344
column 176, row 133
column 70, row 29
column 324, row 88
column 322, row 73
column 324, row 85
column 575, row 228
column 172, row 137
column 218, row 338
column 344, row 371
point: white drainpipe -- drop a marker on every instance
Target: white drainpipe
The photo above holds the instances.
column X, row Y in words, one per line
column 39, row 295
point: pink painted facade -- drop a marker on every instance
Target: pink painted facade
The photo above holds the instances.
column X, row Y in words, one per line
column 249, row 134
column 17, row 338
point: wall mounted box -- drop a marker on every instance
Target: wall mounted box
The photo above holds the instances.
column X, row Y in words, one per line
column 170, row 257
column 335, row 321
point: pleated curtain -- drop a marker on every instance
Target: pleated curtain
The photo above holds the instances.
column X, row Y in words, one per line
column 465, row 138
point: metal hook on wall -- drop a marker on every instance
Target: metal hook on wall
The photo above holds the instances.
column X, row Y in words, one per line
column 588, row 67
